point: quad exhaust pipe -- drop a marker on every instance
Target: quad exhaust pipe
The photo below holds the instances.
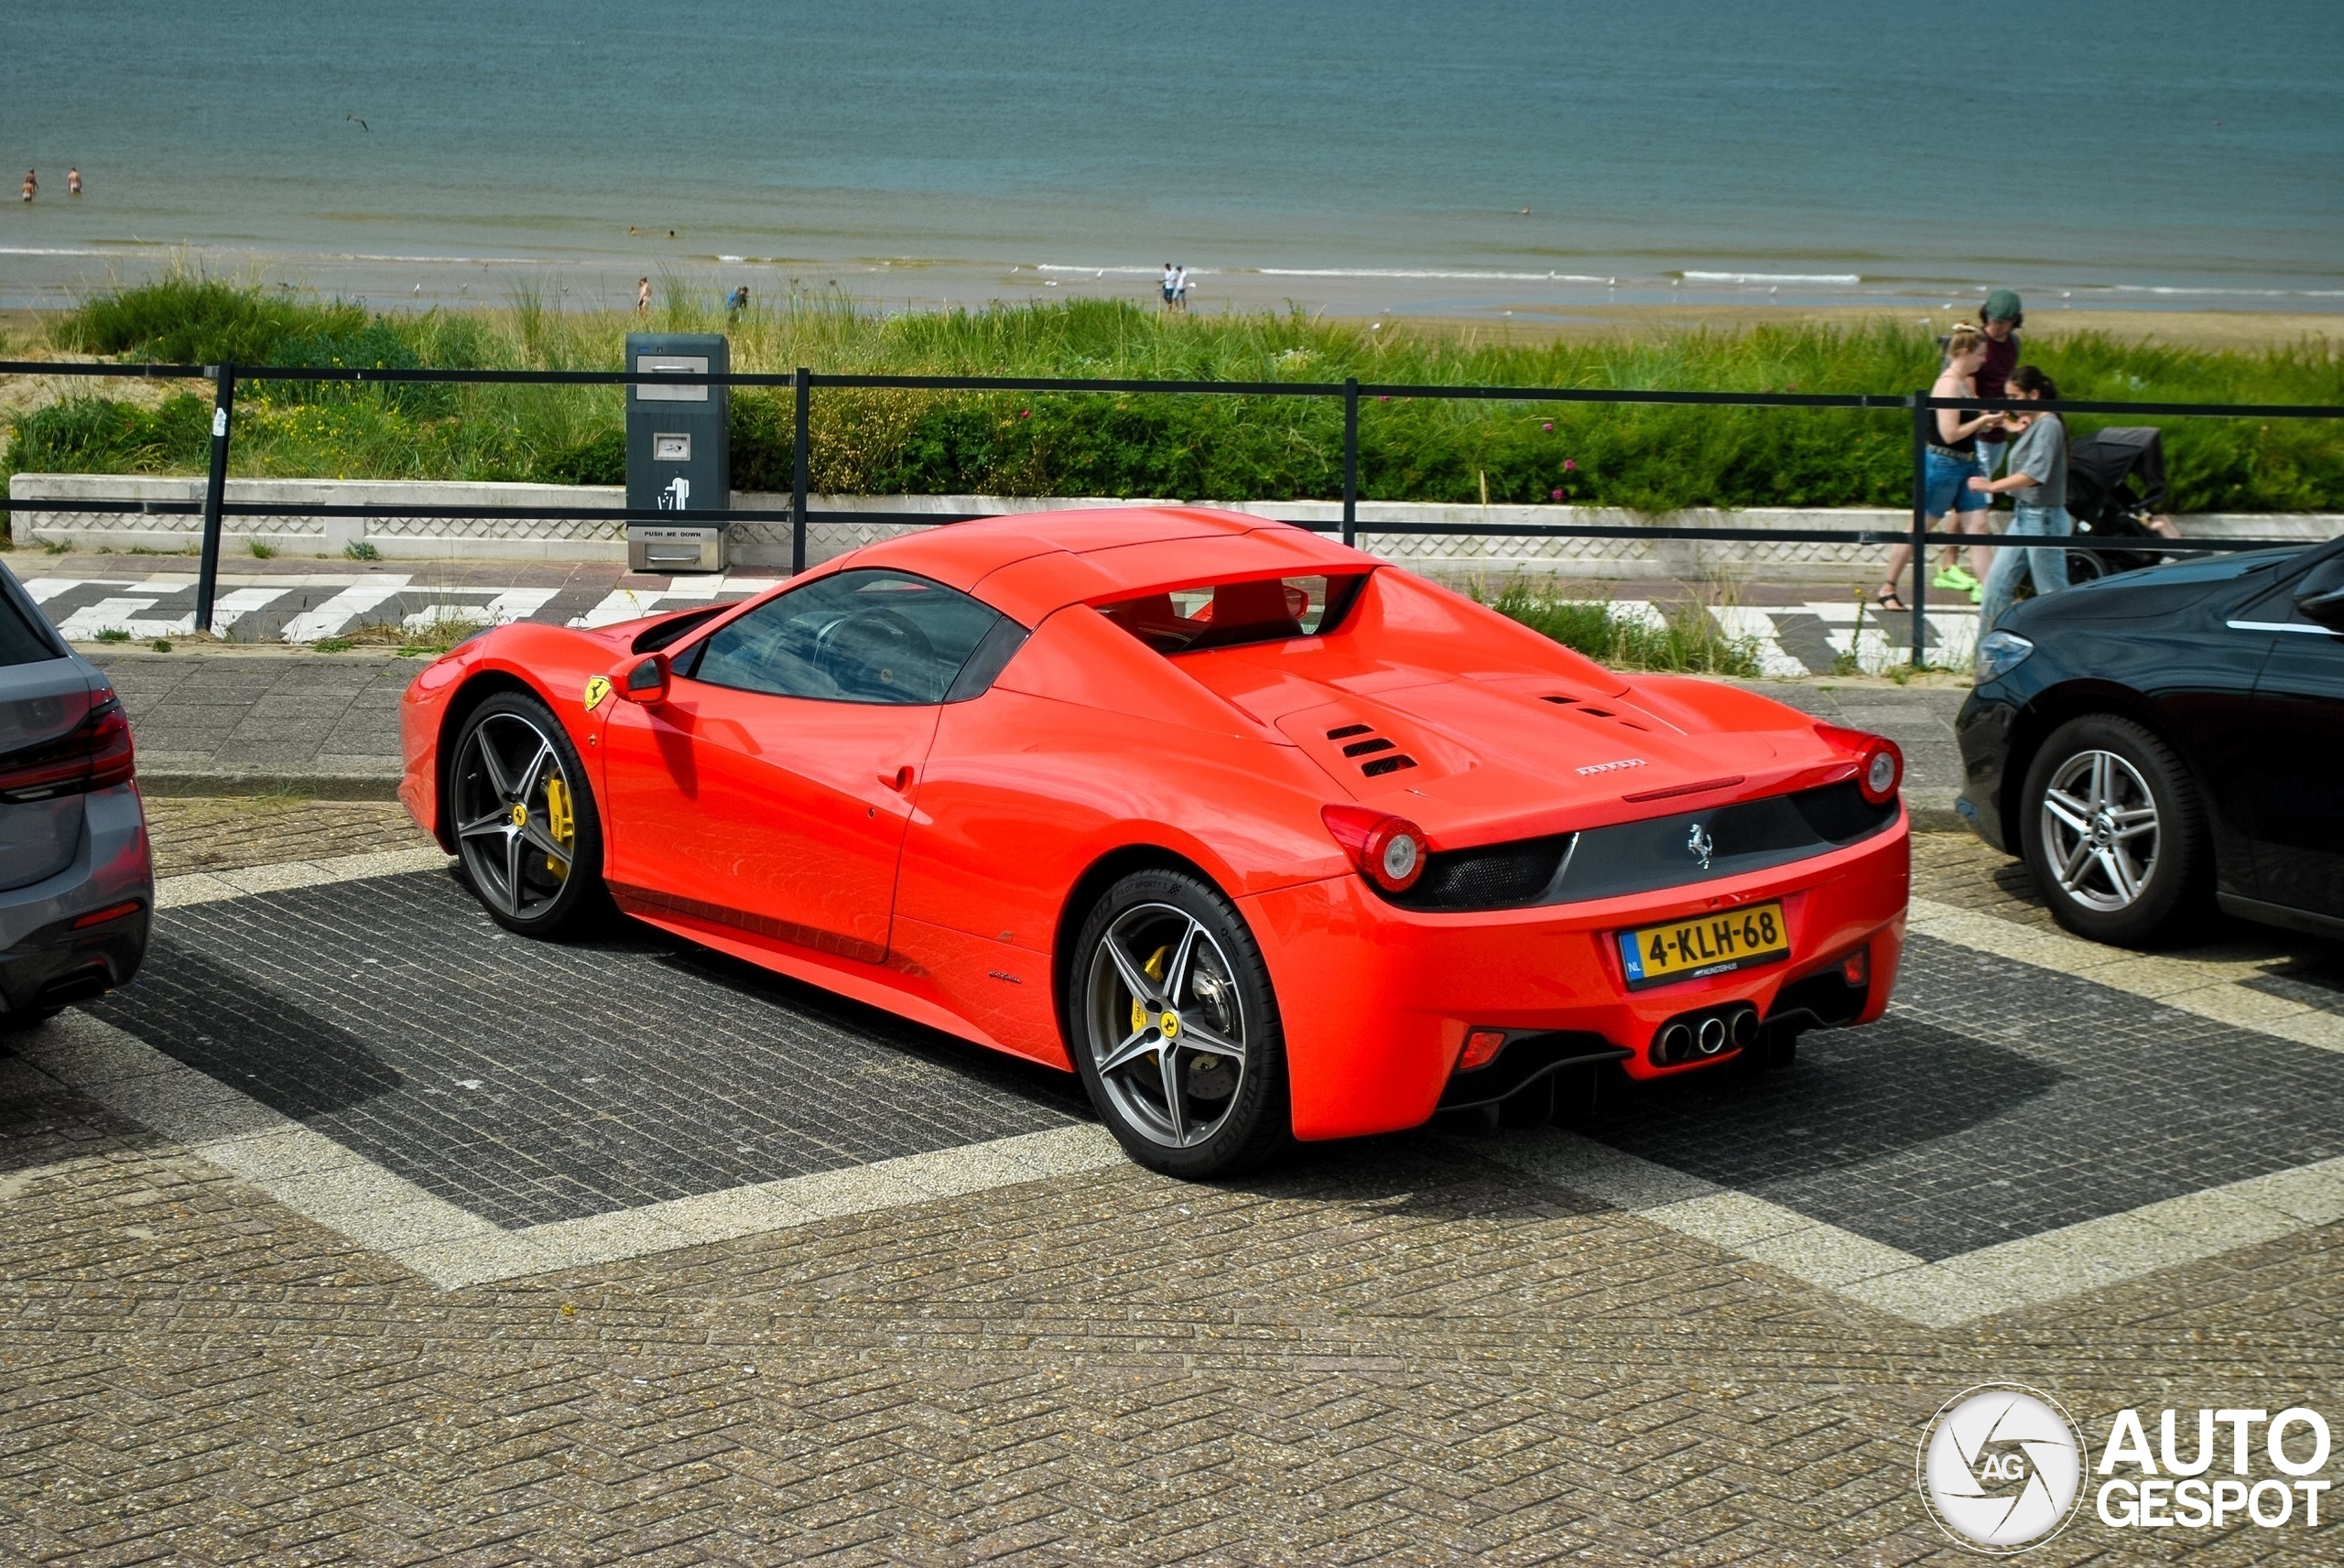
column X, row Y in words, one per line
column 1695, row 1035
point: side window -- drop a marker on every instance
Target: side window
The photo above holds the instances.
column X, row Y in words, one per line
column 23, row 639
column 854, row 636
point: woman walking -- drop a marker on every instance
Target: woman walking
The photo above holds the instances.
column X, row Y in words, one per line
column 1947, row 467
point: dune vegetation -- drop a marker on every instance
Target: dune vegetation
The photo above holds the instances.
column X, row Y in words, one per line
column 1646, row 457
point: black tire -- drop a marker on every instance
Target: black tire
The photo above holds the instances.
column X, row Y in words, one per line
column 1203, row 1126
column 551, row 900
column 26, row 1019
column 2125, row 858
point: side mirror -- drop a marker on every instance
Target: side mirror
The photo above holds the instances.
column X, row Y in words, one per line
column 2325, row 605
column 646, row 681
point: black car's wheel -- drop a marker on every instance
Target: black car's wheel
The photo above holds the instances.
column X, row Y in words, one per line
column 526, row 831
column 1175, row 1028
column 2115, row 833
column 24, row 1019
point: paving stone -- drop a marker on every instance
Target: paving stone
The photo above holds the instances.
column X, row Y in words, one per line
column 1398, row 1350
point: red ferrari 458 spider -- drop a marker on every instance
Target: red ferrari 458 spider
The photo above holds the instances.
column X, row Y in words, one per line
column 1263, row 837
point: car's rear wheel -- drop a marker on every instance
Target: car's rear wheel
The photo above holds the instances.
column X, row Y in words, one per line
column 2115, row 833
column 1175, row 1028
column 527, row 829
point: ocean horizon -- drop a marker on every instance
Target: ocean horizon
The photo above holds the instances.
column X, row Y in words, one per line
column 1467, row 161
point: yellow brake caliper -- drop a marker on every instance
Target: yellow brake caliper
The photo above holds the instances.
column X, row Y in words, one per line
column 560, row 823
column 1154, row 970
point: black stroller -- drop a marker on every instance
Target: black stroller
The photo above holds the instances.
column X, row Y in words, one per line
column 2115, row 485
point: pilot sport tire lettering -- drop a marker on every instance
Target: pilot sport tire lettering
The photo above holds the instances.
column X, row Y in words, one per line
column 527, row 831
column 2115, row 832
column 1175, row 1029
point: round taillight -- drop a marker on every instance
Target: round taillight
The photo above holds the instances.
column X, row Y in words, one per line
column 1388, row 850
column 1883, row 769
column 1399, row 861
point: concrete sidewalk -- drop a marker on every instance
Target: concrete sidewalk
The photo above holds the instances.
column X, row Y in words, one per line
column 326, row 725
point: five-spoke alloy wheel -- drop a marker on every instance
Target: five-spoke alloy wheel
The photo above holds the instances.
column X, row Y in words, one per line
column 524, row 818
column 2113, row 828
column 1175, row 1029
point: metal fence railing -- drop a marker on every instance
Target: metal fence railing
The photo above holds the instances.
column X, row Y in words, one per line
column 215, row 505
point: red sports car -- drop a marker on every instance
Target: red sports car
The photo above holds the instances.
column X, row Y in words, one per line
column 1263, row 837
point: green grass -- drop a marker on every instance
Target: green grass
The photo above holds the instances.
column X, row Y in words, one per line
column 1687, row 641
column 1646, row 457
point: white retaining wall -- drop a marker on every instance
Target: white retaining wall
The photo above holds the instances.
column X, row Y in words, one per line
column 44, row 513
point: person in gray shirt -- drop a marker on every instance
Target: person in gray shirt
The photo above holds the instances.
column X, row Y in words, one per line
column 2038, row 486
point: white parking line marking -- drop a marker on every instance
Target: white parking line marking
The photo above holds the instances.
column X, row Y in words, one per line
column 1958, row 1290
column 2205, row 987
column 382, row 1212
column 210, row 887
column 442, row 1243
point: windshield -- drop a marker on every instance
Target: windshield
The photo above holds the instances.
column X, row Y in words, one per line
column 1222, row 615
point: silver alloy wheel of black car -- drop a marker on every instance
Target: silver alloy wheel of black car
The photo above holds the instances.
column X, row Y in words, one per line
column 515, row 811
column 2113, row 828
column 1165, row 1025
column 2098, row 824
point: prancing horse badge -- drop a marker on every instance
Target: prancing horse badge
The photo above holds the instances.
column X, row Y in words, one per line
column 1701, row 844
column 597, row 688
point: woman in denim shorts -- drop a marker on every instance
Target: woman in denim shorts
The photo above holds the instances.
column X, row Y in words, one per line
column 1949, row 466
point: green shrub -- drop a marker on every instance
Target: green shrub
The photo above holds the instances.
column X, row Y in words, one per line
column 1686, row 640
column 187, row 319
column 598, row 459
column 101, row 435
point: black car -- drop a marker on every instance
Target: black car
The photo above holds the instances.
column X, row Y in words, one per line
column 2167, row 741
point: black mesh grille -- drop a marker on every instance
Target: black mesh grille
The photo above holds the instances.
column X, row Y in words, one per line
column 1501, row 876
column 1382, row 765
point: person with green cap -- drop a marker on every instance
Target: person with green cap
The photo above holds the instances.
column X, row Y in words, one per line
column 2000, row 319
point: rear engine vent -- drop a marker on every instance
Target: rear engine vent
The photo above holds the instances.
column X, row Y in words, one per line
column 1382, row 765
column 1367, row 748
column 1565, row 701
column 1607, row 713
column 1349, row 730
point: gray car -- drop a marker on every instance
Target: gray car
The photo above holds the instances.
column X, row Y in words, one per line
column 77, row 882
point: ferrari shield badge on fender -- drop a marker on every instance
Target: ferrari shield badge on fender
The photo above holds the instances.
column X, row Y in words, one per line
column 597, row 688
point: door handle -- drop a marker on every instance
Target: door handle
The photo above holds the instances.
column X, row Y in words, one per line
column 900, row 781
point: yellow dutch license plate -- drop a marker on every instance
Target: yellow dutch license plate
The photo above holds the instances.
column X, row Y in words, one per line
column 1710, row 944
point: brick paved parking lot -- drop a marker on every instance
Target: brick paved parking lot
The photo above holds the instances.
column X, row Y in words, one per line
column 354, row 1231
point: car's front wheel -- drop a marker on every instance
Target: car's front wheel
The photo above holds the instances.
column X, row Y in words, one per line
column 1175, row 1028
column 527, row 829
column 2115, row 833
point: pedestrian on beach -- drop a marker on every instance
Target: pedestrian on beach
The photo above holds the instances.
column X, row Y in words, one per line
column 73, row 182
column 2038, row 486
column 1168, row 276
column 32, row 184
column 643, row 297
column 1180, row 290
column 737, row 301
column 2000, row 319
column 1948, row 465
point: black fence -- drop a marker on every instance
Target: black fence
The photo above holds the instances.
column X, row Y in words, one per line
column 215, row 505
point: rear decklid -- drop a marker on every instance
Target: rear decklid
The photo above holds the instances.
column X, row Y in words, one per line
column 45, row 695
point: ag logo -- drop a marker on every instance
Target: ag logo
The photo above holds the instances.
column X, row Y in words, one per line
column 597, row 688
column 2001, row 1469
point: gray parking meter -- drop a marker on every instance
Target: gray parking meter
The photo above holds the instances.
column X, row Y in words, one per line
column 678, row 453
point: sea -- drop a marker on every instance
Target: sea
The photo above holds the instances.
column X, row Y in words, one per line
column 1467, row 159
